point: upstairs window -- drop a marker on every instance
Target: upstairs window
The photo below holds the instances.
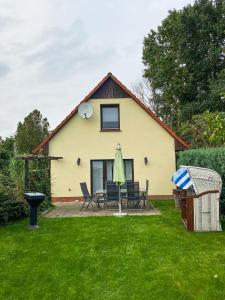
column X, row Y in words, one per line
column 110, row 119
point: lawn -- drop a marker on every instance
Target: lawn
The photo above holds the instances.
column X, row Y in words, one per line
column 111, row 258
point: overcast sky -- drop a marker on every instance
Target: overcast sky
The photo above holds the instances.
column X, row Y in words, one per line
column 53, row 52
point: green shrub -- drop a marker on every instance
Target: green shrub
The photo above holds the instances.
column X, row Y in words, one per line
column 204, row 130
column 39, row 180
column 212, row 158
column 16, row 170
column 10, row 209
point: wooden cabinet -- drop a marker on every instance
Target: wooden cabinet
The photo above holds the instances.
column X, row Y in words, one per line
column 200, row 212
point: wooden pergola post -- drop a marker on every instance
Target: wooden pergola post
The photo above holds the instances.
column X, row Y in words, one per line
column 49, row 174
column 26, row 175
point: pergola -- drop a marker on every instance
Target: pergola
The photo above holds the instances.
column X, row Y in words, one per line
column 32, row 157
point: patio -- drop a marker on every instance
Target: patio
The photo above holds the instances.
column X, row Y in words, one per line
column 72, row 209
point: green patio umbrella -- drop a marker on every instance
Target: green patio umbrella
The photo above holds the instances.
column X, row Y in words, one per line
column 118, row 173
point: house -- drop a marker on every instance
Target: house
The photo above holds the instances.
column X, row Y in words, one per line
column 88, row 145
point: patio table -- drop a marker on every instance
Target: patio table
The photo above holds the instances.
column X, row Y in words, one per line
column 102, row 192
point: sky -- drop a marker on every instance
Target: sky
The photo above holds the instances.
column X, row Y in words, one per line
column 53, row 52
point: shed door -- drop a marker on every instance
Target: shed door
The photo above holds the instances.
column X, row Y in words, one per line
column 206, row 213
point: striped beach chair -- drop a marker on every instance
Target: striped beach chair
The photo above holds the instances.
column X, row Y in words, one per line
column 182, row 179
column 199, row 193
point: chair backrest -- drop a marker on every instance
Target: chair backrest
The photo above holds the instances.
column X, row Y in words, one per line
column 147, row 186
column 112, row 191
column 84, row 190
column 108, row 182
column 124, row 186
column 133, row 191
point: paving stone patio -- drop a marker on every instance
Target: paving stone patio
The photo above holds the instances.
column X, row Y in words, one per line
column 72, row 209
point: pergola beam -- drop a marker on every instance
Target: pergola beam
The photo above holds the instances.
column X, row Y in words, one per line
column 38, row 157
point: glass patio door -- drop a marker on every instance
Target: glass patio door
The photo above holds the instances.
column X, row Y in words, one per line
column 97, row 175
column 102, row 171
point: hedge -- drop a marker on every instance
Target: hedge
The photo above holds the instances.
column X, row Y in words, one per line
column 12, row 210
column 212, row 158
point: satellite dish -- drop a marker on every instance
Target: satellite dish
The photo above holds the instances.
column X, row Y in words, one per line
column 85, row 110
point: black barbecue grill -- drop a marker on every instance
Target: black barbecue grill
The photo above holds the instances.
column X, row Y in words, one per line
column 34, row 200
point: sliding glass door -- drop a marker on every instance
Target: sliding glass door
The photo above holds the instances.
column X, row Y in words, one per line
column 102, row 171
column 97, row 175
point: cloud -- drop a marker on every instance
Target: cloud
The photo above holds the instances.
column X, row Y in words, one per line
column 5, row 21
column 62, row 53
column 53, row 52
column 4, row 69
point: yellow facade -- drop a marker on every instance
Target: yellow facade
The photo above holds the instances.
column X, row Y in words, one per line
column 140, row 136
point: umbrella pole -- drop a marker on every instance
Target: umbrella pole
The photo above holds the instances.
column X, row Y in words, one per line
column 119, row 201
column 120, row 213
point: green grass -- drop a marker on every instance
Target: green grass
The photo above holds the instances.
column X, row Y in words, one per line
column 111, row 258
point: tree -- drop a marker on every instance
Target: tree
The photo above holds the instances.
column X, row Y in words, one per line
column 6, row 153
column 183, row 59
column 31, row 132
column 217, row 88
column 205, row 130
column 142, row 89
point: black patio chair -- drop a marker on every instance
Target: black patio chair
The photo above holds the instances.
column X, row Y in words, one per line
column 88, row 198
column 124, row 186
column 133, row 194
column 147, row 186
column 112, row 192
column 145, row 195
